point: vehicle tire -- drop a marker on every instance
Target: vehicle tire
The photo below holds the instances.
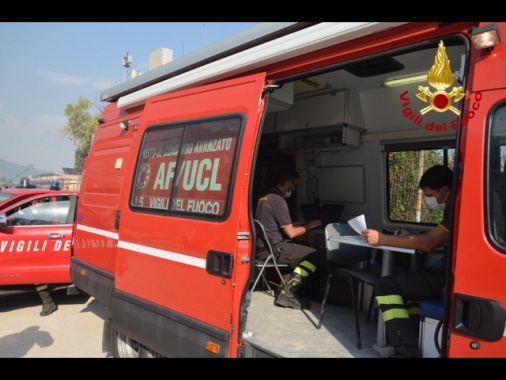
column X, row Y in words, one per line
column 124, row 347
column 148, row 353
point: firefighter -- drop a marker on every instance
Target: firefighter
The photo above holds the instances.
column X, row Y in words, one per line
column 30, row 218
column 272, row 211
column 398, row 295
column 48, row 305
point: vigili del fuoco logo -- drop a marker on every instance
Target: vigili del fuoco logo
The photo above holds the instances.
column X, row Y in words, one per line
column 440, row 77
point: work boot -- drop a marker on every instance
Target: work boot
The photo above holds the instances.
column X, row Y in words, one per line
column 285, row 300
column 287, row 297
column 48, row 306
column 406, row 351
column 389, row 352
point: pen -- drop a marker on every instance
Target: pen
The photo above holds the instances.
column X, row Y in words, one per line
column 399, row 231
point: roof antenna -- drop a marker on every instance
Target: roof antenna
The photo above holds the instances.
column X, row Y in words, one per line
column 127, row 61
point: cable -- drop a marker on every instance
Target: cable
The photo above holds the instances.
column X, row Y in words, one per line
column 436, row 334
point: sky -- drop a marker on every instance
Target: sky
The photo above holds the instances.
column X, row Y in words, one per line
column 44, row 66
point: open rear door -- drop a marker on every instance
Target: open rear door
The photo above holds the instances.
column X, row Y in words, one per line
column 477, row 326
column 184, row 231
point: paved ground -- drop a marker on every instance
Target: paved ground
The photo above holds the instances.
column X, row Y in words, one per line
column 73, row 331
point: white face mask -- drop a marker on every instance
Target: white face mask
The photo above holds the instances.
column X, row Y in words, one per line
column 433, row 205
column 288, row 193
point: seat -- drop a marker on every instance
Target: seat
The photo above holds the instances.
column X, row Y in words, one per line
column 269, row 262
column 350, row 262
column 431, row 319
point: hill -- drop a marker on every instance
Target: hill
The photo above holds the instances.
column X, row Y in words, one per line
column 9, row 171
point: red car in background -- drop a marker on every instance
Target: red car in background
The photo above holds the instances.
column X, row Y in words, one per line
column 10, row 196
column 37, row 250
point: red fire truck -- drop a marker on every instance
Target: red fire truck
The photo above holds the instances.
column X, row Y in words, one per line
column 165, row 234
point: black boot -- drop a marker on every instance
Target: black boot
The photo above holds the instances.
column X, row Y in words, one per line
column 48, row 306
column 287, row 297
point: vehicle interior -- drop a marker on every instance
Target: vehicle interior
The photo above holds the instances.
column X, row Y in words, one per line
column 341, row 127
column 334, row 123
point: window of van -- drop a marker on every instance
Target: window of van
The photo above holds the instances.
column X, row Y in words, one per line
column 405, row 165
column 187, row 169
column 496, row 157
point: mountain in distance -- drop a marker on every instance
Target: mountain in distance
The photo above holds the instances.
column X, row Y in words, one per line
column 11, row 172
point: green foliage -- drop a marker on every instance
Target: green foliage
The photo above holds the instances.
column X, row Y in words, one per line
column 80, row 129
column 407, row 203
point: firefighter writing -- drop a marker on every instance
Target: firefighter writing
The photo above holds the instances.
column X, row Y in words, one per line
column 95, row 243
column 196, row 205
column 408, row 112
column 161, row 151
column 35, row 246
column 201, row 175
column 187, row 205
column 417, row 119
column 214, row 145
column 195, row 178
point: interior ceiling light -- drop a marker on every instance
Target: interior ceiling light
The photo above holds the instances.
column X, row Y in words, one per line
column 405, row 80
column 309, row 85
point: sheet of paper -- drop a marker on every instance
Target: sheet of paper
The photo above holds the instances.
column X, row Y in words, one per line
column 358, row 224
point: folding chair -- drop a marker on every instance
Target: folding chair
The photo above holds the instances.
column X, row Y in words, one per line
column 352, row 263
column 269, row 262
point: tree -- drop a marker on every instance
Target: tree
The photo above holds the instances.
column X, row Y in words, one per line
column 80, row 129
column 405, row 170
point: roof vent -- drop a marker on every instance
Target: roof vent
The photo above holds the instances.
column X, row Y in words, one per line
column 160, row 57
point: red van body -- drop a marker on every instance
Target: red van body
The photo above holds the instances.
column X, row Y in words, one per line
column 164, row 234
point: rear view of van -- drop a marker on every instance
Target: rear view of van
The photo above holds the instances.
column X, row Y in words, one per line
column 96, row 230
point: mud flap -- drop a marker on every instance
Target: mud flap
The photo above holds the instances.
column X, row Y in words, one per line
column 106, row 336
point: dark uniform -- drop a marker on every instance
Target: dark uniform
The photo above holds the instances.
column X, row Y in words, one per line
column 32, row 217
column 272, row 211
column 398, row 297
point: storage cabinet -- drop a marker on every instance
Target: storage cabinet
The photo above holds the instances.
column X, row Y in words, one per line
column 315, row 123
column 312, row 112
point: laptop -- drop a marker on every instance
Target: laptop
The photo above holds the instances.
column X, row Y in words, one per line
column 309, row 211
column 329, row 213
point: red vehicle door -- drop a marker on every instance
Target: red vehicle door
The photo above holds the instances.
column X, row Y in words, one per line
column 35, row 246
column 477, row 326
column 184, row 233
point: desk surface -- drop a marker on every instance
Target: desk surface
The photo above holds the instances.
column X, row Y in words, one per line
column 360, row 240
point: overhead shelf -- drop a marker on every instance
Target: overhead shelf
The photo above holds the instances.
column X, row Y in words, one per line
column 337, row 136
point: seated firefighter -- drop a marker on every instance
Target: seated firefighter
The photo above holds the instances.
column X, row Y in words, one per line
column 273, row 212
column 33, row 213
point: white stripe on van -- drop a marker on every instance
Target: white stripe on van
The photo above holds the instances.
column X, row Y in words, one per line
column 96, row 231
column 167, row 255
column 172, row 256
